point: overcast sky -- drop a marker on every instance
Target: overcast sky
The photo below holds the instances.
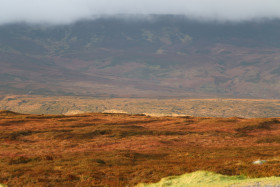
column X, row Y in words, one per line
column 67, row 11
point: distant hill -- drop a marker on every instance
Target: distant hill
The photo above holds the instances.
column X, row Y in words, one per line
column 165, row 56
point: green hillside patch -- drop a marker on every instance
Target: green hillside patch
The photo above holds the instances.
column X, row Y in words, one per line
column 210, row 179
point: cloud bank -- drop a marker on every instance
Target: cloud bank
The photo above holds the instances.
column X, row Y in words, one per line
column 68, row 11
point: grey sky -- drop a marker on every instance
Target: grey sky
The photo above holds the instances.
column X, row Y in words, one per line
column 67, row 11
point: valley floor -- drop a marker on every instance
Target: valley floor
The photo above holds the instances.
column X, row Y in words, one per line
column 217, row 107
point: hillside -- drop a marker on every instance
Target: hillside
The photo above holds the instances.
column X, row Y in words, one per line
column 97, row 149
column 164, row 56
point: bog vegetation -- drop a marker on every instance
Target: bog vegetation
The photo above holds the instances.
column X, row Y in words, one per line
column 96, row 149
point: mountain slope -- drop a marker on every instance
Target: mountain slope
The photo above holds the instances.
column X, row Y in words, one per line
column 164, row 56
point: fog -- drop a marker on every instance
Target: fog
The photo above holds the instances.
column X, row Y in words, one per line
column 68, row 11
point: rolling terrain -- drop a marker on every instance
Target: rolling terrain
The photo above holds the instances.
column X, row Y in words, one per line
column 119, row 101
column 96, row 149
column 164, row 56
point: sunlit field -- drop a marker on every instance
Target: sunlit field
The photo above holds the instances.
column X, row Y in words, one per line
column 96, row 149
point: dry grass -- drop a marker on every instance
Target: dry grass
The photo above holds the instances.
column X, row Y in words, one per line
column 97, row 149
column 245, row 108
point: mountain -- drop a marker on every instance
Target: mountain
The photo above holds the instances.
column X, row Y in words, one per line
column 155, row 56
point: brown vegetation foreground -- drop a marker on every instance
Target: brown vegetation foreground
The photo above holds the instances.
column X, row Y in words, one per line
column 118, row 149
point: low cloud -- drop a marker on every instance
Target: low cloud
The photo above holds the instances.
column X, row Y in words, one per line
column 68, row 11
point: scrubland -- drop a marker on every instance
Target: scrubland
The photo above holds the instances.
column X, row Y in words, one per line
column 96, row 149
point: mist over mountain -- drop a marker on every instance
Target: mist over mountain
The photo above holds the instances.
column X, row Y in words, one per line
column 57, row 12
column 159, row 56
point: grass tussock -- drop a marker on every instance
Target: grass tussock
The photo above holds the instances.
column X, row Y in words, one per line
column 211, row 179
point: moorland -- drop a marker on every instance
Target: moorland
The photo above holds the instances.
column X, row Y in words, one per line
column 97, row 149
column 118, row 102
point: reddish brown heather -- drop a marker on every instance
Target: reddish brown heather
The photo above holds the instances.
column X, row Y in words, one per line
column 117, row 149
